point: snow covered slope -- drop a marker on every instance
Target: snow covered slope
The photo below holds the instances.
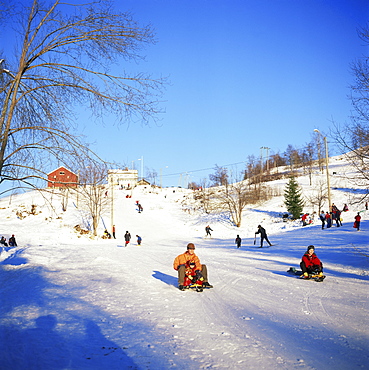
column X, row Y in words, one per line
column 71, row 302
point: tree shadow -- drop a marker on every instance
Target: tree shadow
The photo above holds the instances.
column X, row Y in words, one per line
column 43, row 347
column 15, row 259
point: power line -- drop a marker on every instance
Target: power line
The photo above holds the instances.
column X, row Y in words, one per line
column 204, row 169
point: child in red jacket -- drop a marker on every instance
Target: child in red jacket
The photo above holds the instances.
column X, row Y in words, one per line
column 310, row 263
column 192, row 275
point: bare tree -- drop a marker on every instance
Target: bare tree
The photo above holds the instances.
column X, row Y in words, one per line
column 206, row 195
column 252, row 171
column 233, row 198
column 319, row 195
column 353, row 138
column 93, row 192
column 151, row 175
column 318, row 141
column 307, row 156
column 65, row 55
column 220, row 177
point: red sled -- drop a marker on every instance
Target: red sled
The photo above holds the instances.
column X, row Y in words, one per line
column 355, row 225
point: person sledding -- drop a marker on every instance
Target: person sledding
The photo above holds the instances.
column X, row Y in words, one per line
column 180, row 262
column 193, row 278
column 311, row 264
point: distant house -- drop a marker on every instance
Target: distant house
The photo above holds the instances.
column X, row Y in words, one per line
column 124, row 179
column 62, row 178
column 143, row 182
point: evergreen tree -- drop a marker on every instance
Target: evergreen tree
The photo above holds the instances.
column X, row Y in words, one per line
column 292, row 196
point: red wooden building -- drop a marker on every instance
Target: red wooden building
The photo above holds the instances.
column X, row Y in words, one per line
column 61, row 178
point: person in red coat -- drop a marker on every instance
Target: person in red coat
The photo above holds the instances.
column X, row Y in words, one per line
column 192, row 276
column 310, row 263
column 357, row 221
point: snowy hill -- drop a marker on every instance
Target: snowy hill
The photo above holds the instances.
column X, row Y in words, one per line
column 72, row 302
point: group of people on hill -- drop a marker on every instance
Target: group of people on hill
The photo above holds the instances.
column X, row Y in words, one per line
column 238, row 240
column 327, row 218
column 11, row 242
column 127, row 236
column 192, row 273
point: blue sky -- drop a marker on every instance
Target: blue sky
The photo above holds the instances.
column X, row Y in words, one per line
column 243, row 75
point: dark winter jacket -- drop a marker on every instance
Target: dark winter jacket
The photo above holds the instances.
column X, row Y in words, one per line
column 262, row 232
column 311, row 261
column 12, row 241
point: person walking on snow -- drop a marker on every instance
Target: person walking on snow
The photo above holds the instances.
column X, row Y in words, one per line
column 113, row 231
column 310, row 263
column 238, row 241
column 127, row 237
column 208, row 229
column 180, row 262
column 338, row 218
column 263, row 235
column 322, row 218
column 357, row 221
column 328, row 219
column 139, row 240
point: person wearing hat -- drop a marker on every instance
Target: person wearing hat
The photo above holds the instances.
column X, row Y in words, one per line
column 263, row 235
column 180, row 262
column 310, row 263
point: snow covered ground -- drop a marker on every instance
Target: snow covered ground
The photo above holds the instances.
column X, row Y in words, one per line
column 70, row 302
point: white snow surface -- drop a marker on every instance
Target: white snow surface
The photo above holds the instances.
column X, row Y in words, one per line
column 72, row 302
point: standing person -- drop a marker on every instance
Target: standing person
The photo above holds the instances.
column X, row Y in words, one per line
column 139, row 239
column 12, row 242
column 328, row 220
column 127, row 237
column 238, row 241
column 338, row 218
column 357, row 221
column 322, row 218
column 263, row 235
column 208, row 229
column 345, row 208
column 310, row 263
column 113, row 231
column 180, row 262
column 366, row 205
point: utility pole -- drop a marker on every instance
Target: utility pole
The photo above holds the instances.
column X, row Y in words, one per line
column 327, row 169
